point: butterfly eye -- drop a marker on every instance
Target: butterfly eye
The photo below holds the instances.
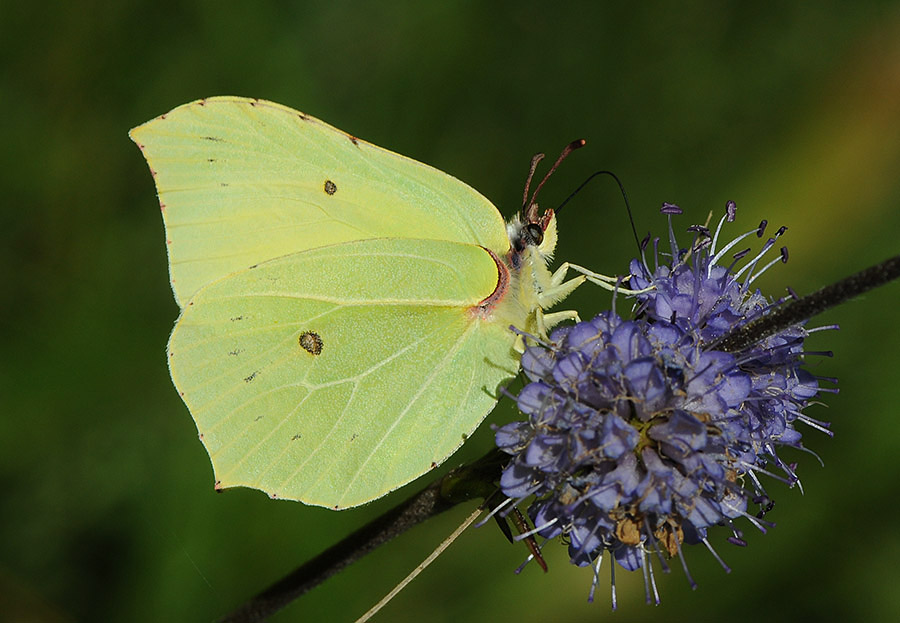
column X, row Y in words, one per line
column 534, row 234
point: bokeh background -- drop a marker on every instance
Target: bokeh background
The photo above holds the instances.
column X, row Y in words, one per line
column 107, row 511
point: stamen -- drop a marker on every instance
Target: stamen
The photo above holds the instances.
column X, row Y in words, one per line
column 715, row 259
column 759, row 524
column 730, row 210
column 827, row 327
column 656, row 599
column 814, row 455
column 644, row 564
column 496, row 510
column 531, row 557
column 752, row 263
column 735, row 260
column 655, row 544
column 716, row 555
column 646, row 241
column 612, row 582
column 525, row 535
column 596, row 579
column 750, row 468
column 684, row 564
column 715, row 238
column 521, row 567
column 816, row 424
column 769, row 244
column 673, row 243
column 762, row 270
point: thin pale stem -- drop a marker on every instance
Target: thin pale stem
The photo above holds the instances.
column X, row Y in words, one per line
column 460, row 485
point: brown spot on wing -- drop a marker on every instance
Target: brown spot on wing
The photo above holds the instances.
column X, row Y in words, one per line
column 311, row 342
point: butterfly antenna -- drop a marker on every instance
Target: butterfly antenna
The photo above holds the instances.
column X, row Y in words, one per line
column 529, row 207
column 624, row 198
column 534, row 162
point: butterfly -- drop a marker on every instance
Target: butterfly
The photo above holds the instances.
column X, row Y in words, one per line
column 345, row 310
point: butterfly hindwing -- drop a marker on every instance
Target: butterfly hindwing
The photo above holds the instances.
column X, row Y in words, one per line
column 337, row 374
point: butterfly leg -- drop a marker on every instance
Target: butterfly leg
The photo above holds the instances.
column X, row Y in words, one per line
column 542, row 323
column 613, row 284
column 557, row 288
column 548, row 321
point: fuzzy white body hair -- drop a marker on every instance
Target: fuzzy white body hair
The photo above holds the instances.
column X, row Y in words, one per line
column 533, row 288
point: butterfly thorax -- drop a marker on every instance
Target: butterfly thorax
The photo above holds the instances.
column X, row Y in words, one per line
column 524, row 281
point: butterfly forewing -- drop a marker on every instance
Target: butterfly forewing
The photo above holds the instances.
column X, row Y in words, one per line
column 243, row 181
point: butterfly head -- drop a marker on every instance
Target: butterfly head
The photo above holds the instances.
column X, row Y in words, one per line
column 532, row 232
column 532, row 236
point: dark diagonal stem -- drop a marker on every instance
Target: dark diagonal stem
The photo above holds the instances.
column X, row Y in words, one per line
column 458, row 486
column 806, row 307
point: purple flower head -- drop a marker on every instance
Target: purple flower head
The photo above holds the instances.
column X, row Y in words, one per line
column 640, row 437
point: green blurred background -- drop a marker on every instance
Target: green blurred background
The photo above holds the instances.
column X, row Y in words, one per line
column 108, row 511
